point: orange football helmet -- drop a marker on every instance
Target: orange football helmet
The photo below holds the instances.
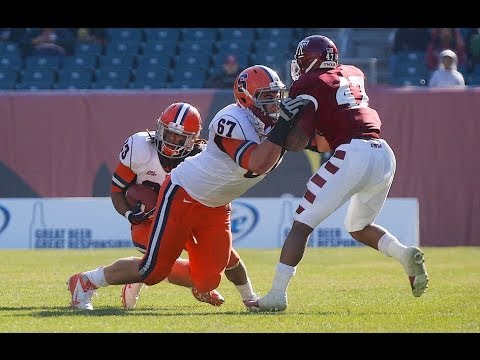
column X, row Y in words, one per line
column 256, row 88
column 177, row 129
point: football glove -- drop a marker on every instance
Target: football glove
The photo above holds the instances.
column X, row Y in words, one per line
column 290, row 107
column 137, row 215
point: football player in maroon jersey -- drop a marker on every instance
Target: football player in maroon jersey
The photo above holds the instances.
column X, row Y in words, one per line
column 338, row 118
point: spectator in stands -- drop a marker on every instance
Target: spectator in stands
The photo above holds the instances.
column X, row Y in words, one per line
column 447, row 75
column 443, row 39
column 226, row 77
column 50, row 41
column 91, row 35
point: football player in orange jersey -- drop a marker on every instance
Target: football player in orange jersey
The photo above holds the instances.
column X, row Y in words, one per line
column 146, row 158
column 195, row 198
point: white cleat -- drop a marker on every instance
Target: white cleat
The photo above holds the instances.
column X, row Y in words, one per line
column 273, row 301
column 417, row 274
column 82, row 291
column 130, row 294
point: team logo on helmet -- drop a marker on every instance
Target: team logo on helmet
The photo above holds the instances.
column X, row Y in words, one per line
column 242, row 82
column 300, row 47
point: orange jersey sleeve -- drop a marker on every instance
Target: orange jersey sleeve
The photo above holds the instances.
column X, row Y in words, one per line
column 239, row 150
column 122, row 176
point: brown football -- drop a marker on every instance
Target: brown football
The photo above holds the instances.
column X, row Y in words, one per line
column 143, row 193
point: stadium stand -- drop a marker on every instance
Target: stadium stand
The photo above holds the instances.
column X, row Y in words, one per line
column 155, row 58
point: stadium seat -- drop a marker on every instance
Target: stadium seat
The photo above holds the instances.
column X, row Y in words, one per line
column 11, row 61
column 200, row 60
column 233, row 46
column 278, row 34
column 476, row 69
column 273, row 45
column 151, row 73
column 8, row 84
column 80, row 60
column 473, row 80
column 84, row 75
column 9, row 48
column 115, row 75
column 40, row 75
column 229, row 34
column 279, row 61
column 161, row 34
column 34, row 85
column 197, row 46
column 109, row 85
column 115, row 59
column 410, row 68
column 168, row 48
column 125, row 34
column 196, row 75
column 365, row 51
column 69, row 84
column 50, row 62
column 199, row 34
column 156, row 60
column 119, row 47
column 411, row 56
column 87, row 48
column 148, row 84
column 186, row 84
column 8, row 78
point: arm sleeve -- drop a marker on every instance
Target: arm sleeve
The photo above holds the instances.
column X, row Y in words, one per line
column 239, row 150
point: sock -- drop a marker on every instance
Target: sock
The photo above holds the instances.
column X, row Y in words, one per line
column 246, row 291
column 390, row 246
column 97, row 277
column 283, row 275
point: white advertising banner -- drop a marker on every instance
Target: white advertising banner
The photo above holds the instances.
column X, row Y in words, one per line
column 81, row 223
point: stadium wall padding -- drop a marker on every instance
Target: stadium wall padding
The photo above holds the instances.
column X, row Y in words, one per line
column 62, row 144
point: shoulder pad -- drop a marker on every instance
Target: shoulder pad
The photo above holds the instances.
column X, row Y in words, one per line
column 233, row 124
column 137, row 149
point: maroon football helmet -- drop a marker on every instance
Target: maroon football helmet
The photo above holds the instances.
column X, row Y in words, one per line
column 314, row 52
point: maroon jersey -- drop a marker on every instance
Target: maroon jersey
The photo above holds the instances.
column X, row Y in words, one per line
column 341, row 112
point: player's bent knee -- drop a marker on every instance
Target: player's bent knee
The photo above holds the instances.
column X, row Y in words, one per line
column 208, row 283
column 354, row 228
column 156, row 277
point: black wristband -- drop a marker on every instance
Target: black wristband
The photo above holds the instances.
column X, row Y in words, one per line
column 279, row 133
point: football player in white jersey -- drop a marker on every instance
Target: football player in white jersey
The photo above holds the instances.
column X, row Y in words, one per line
column 146, row 158
column 194, row 203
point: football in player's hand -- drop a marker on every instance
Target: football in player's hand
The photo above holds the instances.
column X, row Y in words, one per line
column 143, row 193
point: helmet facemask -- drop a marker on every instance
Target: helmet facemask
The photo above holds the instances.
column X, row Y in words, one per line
column 177, row 130
column 173, row 141
column 294, row 70
column 264, row 98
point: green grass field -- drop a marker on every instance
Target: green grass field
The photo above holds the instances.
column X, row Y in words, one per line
column 335, row 290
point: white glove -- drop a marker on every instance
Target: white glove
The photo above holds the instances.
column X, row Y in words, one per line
column 290, row 107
